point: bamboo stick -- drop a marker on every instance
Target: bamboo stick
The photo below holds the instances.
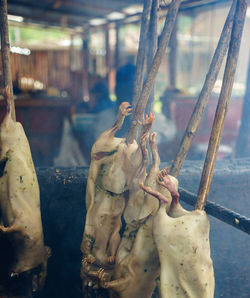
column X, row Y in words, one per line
column 141, row 55
column 166, row 32
column 225, row 95
column 152, row 46
column 207, row 88
column 172, row 58
column 5, row 48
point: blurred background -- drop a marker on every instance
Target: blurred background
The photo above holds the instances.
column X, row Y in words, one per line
column 73, row 60
column 73, row 63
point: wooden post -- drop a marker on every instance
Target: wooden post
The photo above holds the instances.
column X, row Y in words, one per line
column 242, row 145
column 152, row 46
column 141, row 54
column 5, row 48
column 207, row 88
column 166, row 32
column 226, row 91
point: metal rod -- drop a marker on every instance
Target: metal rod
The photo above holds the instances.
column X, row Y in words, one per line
column 152, row 46
column 141, row 55
column 207, row 88
column 224, row 214
column 166, row 32
column 5, row 48
column 225, row 95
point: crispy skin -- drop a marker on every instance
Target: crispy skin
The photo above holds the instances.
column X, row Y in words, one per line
column 184, row 251
column 20, row 198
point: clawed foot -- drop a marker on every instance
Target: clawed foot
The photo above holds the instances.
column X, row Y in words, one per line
column 125, row 108
column 87, row 262
column 91, row 259
column 154, row 193
column 164, row 180
column 111, row 259
column 147, row 122
column 85, row 265
column 102, row 276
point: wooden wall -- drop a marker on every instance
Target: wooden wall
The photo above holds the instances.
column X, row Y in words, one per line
column 52, row 68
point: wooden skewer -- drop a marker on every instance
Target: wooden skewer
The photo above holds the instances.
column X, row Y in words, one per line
column 5, row 48
column 152, row 46
column 142, row 50
column 207, row 88
column 225, row 95
column 166, row 32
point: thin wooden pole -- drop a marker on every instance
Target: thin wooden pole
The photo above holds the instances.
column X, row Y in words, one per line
column 225, row 95
column 242, row 145
column 172, row 58
column 107, row 47
column 152, row 46
column 5, row 48
column 166, row 32
column 141, row 55
column 207, row 88
column 117, row 46
column 85, row 64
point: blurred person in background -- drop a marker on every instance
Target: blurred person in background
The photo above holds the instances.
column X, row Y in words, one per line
column 164, row 126
column 124, row 92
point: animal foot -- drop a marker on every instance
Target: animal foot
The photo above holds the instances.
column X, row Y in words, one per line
column 91, row 259
column 164, row 180
column 125, row 108
column 111, row 259
column 154, row 193
column 85, row 265
column 147, row 122
column 102, row 276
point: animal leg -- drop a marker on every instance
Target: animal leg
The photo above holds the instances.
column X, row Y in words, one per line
column 154, row 193
column 164, row 180
column 113, row 245
column 124, row 110
column 118, row 283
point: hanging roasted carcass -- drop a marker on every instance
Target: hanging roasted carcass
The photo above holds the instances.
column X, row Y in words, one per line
column 182, row 240
column 20, row 216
